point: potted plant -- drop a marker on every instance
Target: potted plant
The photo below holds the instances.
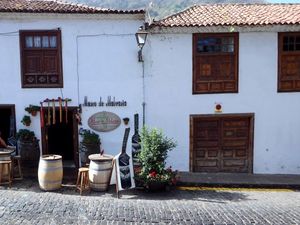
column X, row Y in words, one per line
column 28, row 146
column 33, row 109
column 126, row 120
column 155, row 147
column 90, row 144
column 26, row 120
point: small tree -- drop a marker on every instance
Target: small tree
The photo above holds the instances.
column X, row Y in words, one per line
column 153, row 155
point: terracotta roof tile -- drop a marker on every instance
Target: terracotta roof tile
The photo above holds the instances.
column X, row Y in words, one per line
column 57, row 6
column 233, row 14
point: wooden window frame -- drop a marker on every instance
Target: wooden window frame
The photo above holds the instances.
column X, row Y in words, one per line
column 57, row 33
column 236, row 57
column 282, row 53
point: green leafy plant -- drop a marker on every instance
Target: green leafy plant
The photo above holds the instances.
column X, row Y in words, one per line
column 33, row 109
column 152, row 157
column 26, row 120
column 90, row 137
column 25, row 135
column 90, row 144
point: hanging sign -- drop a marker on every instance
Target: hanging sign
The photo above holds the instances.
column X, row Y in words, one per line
column 104, row 121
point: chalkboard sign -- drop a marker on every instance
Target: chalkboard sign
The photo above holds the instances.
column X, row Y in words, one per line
column 124, row 167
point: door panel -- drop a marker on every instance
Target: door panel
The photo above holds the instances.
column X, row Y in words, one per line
column 206, row 144
column 221, row 143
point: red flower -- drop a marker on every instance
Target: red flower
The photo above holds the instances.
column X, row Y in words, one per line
column 152, row 174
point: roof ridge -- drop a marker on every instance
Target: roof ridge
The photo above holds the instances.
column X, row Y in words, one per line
column 177, row 13
column 211, row 4
column 93, row 7
column 222, row 14
column 67, row 2
column 59, row 6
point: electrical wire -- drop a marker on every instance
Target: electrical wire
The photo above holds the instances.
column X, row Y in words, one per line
column 77, row 53
column 11, row 33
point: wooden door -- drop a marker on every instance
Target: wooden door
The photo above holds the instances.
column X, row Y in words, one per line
column 221, row 143
column 7, row 121
column 72, row 123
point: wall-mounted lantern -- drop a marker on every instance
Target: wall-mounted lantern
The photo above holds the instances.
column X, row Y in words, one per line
column 141, row 37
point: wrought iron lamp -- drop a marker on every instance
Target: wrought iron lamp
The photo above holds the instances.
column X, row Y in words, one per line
column 141, row 37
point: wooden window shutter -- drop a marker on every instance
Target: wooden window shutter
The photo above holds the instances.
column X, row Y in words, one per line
column 215, row 63
column 41, row 59
column 289, row 62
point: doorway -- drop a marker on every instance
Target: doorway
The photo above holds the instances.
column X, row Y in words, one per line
column 7, row 121
column 221, row 143
column 61, row 137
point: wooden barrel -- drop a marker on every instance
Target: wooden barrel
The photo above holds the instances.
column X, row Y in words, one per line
column 29, row 151
column 50, row 172
column 5, row 155
column 100, row 171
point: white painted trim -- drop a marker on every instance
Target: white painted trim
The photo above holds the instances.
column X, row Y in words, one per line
column 45, row 16
column 224, row 29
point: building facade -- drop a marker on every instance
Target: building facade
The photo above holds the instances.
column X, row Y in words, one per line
column 242, row 58
column 61, row 50
column 226, row 88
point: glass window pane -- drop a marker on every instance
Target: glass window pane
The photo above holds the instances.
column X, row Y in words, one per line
column 200, row 48
column 217, row 48
column 291, row 39
column 285, row 47
column 45, row 42
column 285, row 40
column 231, row 48
column 29, row 42
column 215, row 44
column 37, row 42
column 231, row 40
column 225, row 41
column 224, row 48
column 53, row 42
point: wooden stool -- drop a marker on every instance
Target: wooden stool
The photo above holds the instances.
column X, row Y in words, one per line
column 5, row 164
column 17, row 163
column 83, row 182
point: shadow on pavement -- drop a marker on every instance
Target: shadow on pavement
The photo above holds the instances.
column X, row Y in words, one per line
column 69, row 188
column 30, row 184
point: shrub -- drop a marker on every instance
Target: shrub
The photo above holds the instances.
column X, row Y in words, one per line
column 155, row 147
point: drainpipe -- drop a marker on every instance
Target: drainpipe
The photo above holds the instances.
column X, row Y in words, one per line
column 144, row 101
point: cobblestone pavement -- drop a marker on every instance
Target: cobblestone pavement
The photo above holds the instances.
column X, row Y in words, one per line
column 25, row 203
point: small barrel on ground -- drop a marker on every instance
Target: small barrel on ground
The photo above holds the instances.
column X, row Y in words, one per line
column 100, row 171
column 50, row 172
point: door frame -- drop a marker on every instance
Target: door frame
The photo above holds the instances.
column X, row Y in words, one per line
column 73, row 110
column 12, row 108
column 251, row 116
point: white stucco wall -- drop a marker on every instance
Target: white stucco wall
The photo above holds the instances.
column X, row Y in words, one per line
column 102, row 56
column 107, row 65
column 170, row 101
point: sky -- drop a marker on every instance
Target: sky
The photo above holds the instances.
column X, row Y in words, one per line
column 284, row 1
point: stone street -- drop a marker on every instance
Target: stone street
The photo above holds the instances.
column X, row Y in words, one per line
column 25, row 203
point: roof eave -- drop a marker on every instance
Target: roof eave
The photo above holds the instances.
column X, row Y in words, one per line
column 224, row 28
column 73, row 15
